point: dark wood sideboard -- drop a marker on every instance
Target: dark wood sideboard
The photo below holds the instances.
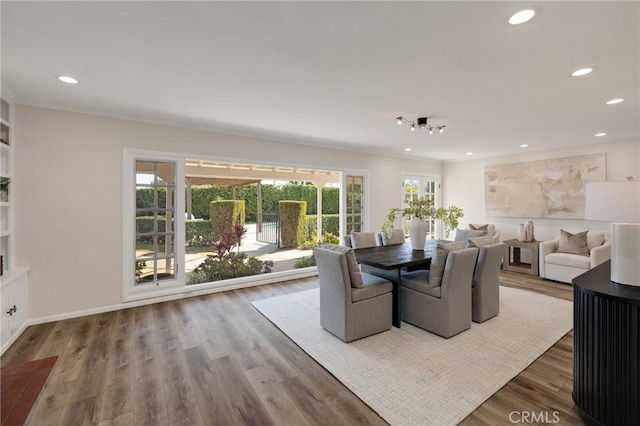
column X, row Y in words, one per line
column 606, row 349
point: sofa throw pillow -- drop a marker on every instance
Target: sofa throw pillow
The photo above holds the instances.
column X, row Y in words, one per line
column 573, row 243
column 464, row 234
column 479, row 242
column 439, row 260
column 476, row 227
column 352, row 265
column 363, row 239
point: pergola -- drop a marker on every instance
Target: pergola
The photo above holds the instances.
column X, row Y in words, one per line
column 200, row 172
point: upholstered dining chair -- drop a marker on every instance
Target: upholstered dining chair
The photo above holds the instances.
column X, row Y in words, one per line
column 363, row 240
column 485, row 295
column 397, row 237
column 353, row 304
column 439, row 300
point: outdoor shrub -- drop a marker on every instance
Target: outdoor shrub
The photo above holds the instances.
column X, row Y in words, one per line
column 330, row 223
column 144, row 225
column 305, row 262
column 202, row 195
column 224, row 264
column 232, row 265
column 225, row 214
column 292, row 214
column 198, row 233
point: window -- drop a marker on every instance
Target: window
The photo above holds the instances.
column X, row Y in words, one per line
column 155, row 254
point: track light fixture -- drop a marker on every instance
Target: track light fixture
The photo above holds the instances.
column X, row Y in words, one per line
column 421, row 123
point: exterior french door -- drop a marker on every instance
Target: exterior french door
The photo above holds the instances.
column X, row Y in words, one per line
column 424, row 187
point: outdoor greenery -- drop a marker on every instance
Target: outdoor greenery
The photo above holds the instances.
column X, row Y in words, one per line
column 330, row 223
column 223, row 264
column 423, row 209
column 271, row 194
column 327, row 238
column 225, row 214
column 292, row 220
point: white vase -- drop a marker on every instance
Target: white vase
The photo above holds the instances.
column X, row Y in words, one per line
column 522, row 234
column 528, row 231
column 418, row 233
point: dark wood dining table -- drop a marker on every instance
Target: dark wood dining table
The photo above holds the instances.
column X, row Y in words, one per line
column 389, row 262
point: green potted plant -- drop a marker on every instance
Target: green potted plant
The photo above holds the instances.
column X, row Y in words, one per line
column 417, row 211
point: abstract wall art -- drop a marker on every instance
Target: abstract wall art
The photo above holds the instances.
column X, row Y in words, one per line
column 553, row 188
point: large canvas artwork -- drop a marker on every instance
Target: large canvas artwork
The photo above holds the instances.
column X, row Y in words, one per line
column 552, row 188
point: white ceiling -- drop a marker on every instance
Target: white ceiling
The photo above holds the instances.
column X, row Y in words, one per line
column 338, row 73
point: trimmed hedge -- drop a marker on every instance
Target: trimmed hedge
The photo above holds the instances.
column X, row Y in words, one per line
column 330, row 223
column 225, row 214
column 198, row 231
column 292, row 220
column 271, row 194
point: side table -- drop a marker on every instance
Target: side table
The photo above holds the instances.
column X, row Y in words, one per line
column 512, row 256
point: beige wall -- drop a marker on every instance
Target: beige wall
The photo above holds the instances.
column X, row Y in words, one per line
column 623, row 159
column 68, row 188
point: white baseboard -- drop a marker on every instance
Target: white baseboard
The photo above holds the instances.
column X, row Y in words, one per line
column 182, row 293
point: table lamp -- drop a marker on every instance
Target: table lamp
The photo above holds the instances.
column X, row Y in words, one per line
column 619, row 203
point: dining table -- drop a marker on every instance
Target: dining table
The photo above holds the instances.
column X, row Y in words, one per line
column 391, row 261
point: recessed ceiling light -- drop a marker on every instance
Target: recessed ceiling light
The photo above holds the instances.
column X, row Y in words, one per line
column 601, row 134
column 524, row 145
column 469, row 153
column 68, row 79
column 407, row 149
column 615, row 101
column 581, row 72
column 522, row 16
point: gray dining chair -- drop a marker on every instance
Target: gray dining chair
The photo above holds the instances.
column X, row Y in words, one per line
column 486, row 282
column 397, row 237
column 353, row 304
column 439, row 300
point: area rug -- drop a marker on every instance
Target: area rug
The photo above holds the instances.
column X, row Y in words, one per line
column 412, row 377
column 21, row 385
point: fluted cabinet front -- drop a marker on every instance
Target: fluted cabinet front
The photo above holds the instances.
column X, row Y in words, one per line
column 606, row 369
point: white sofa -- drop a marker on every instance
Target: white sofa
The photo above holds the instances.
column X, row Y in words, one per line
column 564, row 267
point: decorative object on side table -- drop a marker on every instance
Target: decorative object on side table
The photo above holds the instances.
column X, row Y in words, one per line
column 525, row 232
column 418, row 210
column 619, row 202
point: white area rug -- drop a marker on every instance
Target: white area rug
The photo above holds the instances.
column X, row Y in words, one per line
column 412, row 377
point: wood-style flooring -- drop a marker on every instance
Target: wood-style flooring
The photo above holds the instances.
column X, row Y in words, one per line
column 214, row 359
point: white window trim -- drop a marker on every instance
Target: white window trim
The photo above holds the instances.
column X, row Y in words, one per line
column 406, row 175
column 343, row 187
column 131, row 290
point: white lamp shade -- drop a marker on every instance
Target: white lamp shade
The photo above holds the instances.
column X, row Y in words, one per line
column 613, row 201
column 618, row 202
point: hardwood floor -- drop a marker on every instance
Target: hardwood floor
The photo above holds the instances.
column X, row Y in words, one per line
column 214, row 359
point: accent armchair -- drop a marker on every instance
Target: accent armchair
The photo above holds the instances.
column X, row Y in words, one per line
column 353, row 305
column 569, row 255
column 439, row 300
